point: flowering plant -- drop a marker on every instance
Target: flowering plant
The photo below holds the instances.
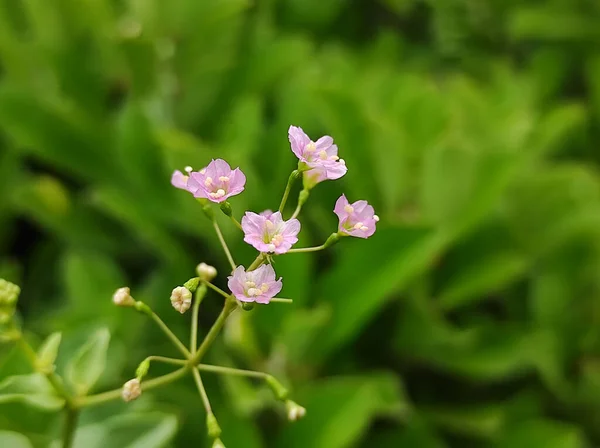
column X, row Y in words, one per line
column 270, row 233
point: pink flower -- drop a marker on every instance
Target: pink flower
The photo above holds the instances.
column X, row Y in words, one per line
column 255, row 286
column 357, row 219
column 216, row 182
column 268, row 232
column 320, row 156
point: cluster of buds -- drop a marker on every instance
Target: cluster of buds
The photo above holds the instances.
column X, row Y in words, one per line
column 9, row 294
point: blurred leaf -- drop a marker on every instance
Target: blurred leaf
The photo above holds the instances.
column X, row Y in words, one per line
column 408, row 251
column 140, row 430
column 481, row 421
column 87, row 365
column 10, row 439
column 540, row 433
column 49, row 350
column 33, row 390
column 340, row 410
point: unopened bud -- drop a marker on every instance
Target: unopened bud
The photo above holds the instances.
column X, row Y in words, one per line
column 181, row 299
column 131, row 390
column 212, row 426
column 122, row 297
column 6, row 315
column 218, row 444
column 206, row 272
column 9, row 292
column 294, row 411
column 280, row 392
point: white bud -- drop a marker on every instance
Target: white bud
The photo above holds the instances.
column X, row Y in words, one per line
column 206, row 272
column 131, row 390
column 122, row 297
column 294, row 411
column 181, row 299
column 376, row 218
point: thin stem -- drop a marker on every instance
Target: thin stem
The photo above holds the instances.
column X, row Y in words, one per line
column 202, row 391
column 217, row 289
column 257, row 262
column 70, row 427
column 230, row 306
column 163, row 359
column 224, row 244
column 167, row 331
column 306, row 249
column 280, row 300
column 288, row 188
column 200, row 293
column 104, row 397
column 231, row 371
column 237, row 223
column 297, row 211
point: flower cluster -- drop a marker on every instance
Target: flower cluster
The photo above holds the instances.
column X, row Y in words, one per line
column 269, row 232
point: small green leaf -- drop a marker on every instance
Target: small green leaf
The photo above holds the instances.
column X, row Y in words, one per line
column 11, row 439
column 88, row 364
column 49, row 350
column 33, row 390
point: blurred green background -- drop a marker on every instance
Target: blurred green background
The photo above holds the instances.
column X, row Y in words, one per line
column 470, row 319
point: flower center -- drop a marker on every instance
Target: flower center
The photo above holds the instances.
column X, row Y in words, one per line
column 349, row 209
column 252, row 290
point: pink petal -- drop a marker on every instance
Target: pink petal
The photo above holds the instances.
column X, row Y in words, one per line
column 179, row 180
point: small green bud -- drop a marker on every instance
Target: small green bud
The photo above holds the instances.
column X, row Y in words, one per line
column 212, row 426
column 281, row 393
column 247, row 306
column 295, row 175
column 226, row 208
column 9, row 293
column 142, row 369
column 6, row 315
column 303, row 196
column 192, row 284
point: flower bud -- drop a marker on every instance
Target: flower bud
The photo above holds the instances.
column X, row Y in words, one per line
column 280, row 392
column 294, row 411
column 122, row 297
column 218, row 444
column 192, row 284
column 206, row 272
column 226, row 208
column 9, row 292
column 142, row 369
column 131, row 390
column 181, row 299
column 247, row 306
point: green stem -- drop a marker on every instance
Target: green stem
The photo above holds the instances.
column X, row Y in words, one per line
column 167, row 331
column 237, row 223
column 217, row 289
column 288, row 188
column 224, row 244
column 164, row 359
column 202, row 391
column 281, row 300
column 200, row 293
column 257, row 262
column 104, row 397
column 230, row 306
column 231, row 371
column 306, row 249
column 70, row 427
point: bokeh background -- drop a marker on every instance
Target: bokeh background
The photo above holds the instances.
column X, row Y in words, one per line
column 471, row 318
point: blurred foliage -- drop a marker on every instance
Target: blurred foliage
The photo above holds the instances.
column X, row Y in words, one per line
column 471, row 318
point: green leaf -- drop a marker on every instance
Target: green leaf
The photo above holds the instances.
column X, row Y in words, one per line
column 481, row 421
column 49, row 350
column 87, row 365
column 542, row 433
column 408, row 251
column 33, row 390
column 11, row 439
column 340, row 409
column 140, row 430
